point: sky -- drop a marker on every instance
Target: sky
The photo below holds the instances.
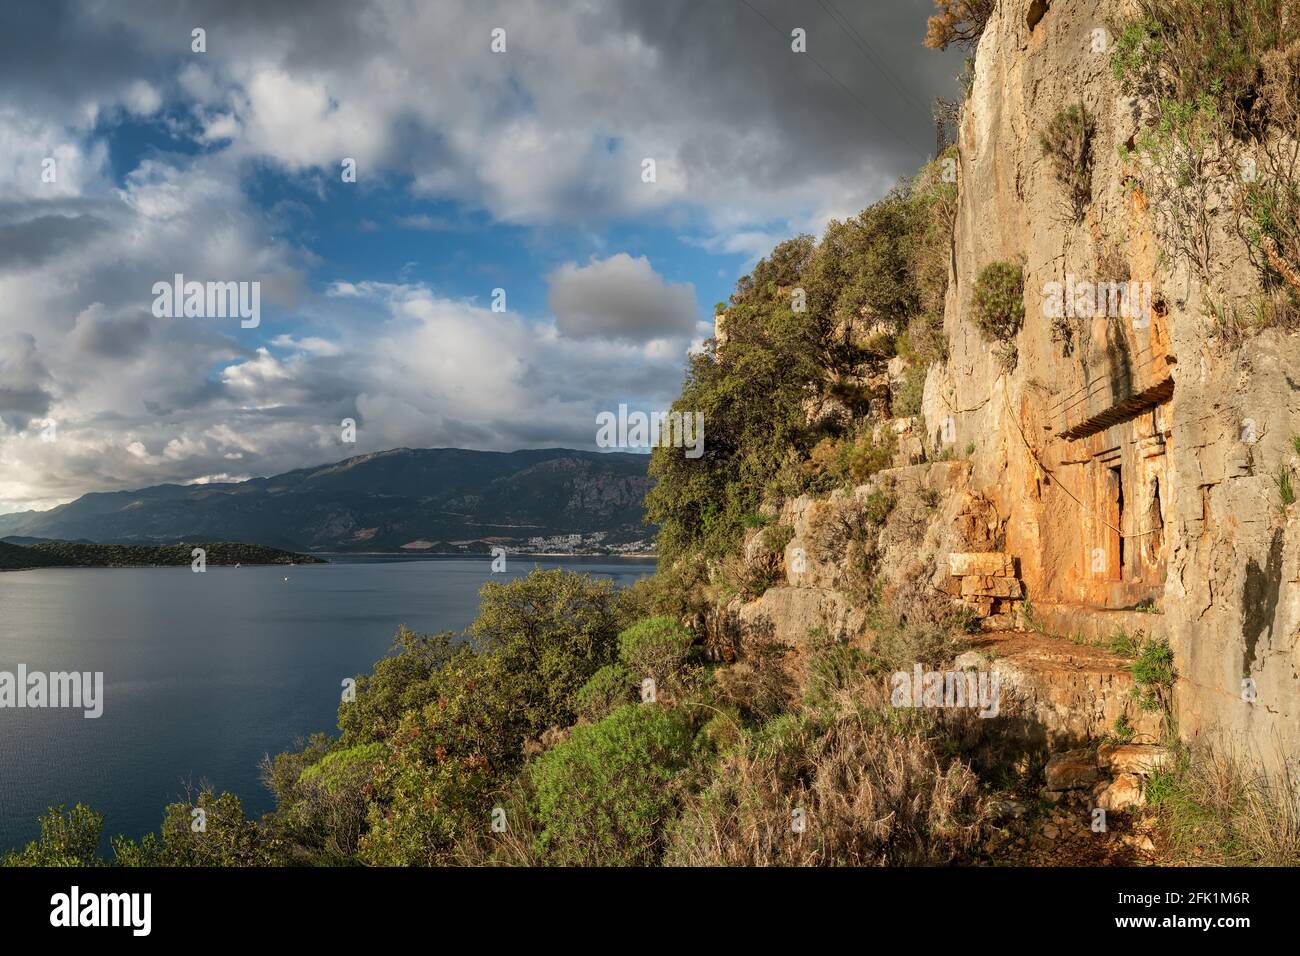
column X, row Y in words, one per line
column 128, row 156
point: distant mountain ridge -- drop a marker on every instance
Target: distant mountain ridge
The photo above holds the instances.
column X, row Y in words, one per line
column 432, row 498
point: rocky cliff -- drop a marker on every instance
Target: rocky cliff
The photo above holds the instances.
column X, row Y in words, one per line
column 1118, row 463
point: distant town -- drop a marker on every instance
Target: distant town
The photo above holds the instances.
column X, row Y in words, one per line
column 592, row 543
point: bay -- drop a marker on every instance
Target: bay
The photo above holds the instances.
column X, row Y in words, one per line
column 206, row 673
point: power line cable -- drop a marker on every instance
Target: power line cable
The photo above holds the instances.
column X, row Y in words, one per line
column 870, row 52
column 903, row 140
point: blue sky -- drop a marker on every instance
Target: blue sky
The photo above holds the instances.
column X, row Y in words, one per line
column 477, row 169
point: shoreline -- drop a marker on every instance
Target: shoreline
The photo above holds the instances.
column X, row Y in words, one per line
column 638, row 556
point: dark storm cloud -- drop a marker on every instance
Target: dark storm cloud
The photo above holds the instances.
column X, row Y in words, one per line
column 864, row 85
column 24, row 394
column 719, row 78
column 112, row 337
column 32, row 241
column 620, row 298
column 18, row 406
column 53, row 56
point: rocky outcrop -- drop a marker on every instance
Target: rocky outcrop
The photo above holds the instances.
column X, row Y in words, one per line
column 1100, row 473
column 1072, row 693
column 988, row 587
column 1133, row 459
column 1115, row 774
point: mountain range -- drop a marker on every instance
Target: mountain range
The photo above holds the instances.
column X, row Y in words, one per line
column 412, row 499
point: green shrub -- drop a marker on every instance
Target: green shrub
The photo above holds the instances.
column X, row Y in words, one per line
column 657, row 647
column 68, row 838
column 538, row 641
column 926, row 339
column 1153, row 673
column 1221, row 79
column 759, row 684
column 446, row 760
column 1284, row 489
column 340, row 769
column 834, row 670
column 934, row 202
column 877, row 506
column 1067, row 144
column 885, row 267
column 999, row 305
column 1000, row 301
column 901, row 644
column 776, row 537
column 206, row 830
column 322, row 799
column 608, row 689
column 549, row 631
column 844, row 463
column 1125, row 644
column 907, row 400
column 399, row 683
column 605, row 795
column 1123, row 730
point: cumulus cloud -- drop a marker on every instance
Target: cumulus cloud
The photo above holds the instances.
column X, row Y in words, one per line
column 557, row 127
column 622, row 298
column 23, row 377
column 428, row 371
column 750, row 143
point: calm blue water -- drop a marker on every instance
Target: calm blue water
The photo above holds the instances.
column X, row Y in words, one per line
column 206, row 673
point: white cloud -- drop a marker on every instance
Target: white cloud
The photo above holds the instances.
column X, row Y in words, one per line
column 620, row 297
column 143, row 99
column 749, row 146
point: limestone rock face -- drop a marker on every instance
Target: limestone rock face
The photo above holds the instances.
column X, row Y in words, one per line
column 1131, row 459
column 989, row 564
column 791, row 614
column 1119, row 478
column 1072, row 693
column 904, row 522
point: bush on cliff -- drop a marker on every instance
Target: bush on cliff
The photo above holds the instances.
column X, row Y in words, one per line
column 1067, row 145
column 68, row 838
column 999, row 307
column 442, row 725
column 804, row 331
column 1221, row 80
column 657, row 648
column 958, row 21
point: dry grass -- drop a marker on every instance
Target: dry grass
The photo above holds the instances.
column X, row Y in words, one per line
column 1221, row 806
column 516, row 845
column 1238, row 320
column 761, row 683
column 874, row 785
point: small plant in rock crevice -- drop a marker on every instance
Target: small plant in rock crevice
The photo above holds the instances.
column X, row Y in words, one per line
column 1153, row 675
